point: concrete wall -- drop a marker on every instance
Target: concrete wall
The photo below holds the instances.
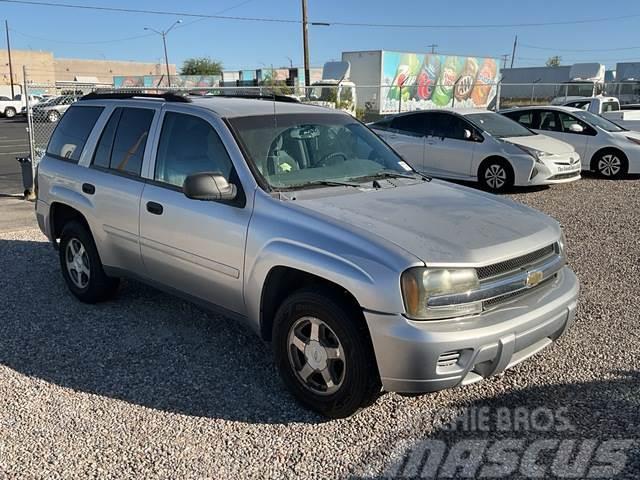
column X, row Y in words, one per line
column 44, row 68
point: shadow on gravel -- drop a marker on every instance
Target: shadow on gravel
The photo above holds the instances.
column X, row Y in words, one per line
column 144, row 347
column 573, row 430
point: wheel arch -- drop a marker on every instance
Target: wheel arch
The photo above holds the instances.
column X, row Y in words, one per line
column 594, row 158
column 282, row 281
column 62, row 213
column 494, row 157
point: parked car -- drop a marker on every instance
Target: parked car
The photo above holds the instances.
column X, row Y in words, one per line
column 605, row 147
column 609, row 108
column 478, row 145
column 10, row 108
column 298, row 220
column 51, row 110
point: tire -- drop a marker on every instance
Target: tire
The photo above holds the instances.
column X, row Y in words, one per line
column 496, row 175
column 610, row 164
column 10, row 112
column 81, row 266
column 53, row 116
column 343, row 347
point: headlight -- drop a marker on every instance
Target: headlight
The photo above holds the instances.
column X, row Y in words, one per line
column 538, row 155
column 634, row 140
column 421, row 284
column 562, row 245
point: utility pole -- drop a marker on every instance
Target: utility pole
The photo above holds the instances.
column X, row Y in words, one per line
column 305, row 44
column 505, row 57
column 433, row 47
column 513, row 54
column 6, row 26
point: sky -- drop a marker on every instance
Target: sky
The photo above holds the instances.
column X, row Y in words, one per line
column 75, row 33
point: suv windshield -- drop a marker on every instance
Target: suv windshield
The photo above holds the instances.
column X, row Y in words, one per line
column 599, row 121
column 295, row 150
column 498, row 126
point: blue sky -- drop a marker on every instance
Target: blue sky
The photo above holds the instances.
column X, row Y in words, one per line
column 241, row 44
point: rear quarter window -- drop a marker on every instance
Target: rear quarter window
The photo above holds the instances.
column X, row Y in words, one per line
column 72, row 132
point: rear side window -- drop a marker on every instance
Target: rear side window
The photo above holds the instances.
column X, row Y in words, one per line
column 523, row 118
column 121, row 146
column 72, row 132
column 412, row 124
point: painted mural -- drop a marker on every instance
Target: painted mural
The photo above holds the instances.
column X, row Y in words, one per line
column 418, row 81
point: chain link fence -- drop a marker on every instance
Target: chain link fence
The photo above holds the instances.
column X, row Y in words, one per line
column 49, row 102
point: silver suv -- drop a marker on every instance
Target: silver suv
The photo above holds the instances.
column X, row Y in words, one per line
column 298, row 220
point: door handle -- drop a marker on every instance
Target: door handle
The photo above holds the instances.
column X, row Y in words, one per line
column 155, row 208
column 88, row 188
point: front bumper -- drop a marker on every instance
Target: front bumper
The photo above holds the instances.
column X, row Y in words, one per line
column 560, row 170
column 415, row 357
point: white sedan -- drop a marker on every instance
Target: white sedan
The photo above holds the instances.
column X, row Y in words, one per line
column 605, row 147
column 478, row 145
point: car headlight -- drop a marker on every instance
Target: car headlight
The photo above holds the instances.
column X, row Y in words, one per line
column 421, row 284
column 538, row 155
column 634, row 140
column 562, row 245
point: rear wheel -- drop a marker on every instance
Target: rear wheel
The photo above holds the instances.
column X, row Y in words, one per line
column 81, row 265
column 10, row 112
column 496, row 175
column 611, row 164
column 324, row 354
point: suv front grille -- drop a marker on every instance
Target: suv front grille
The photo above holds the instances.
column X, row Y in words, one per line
column 514, row 264
column 495, row 302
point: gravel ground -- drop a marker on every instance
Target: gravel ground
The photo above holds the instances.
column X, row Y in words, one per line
column 150, row 386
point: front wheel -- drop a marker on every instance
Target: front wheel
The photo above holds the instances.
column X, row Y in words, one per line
column 81, row 265
column 10, row 112
column 324, row 354
column 53, row 116
column 496, row 175
column 611, row 164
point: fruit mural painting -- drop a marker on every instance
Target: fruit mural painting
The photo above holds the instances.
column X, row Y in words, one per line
column 418, row 81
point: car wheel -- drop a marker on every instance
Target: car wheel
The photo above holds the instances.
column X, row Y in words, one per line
column 10, row 112
column 611, row 164
column 53, row 116
column 496, row 175
column 323, row 353
column 81, row 265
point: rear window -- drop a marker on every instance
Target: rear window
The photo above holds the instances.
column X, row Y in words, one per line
column 72, row 132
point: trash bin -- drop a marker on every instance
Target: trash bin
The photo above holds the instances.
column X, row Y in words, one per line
column 27, row 175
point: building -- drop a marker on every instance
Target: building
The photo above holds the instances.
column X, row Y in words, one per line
column 44, row 69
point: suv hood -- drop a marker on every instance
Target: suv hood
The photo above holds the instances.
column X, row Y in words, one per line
column 542, row 143
column 442, row 223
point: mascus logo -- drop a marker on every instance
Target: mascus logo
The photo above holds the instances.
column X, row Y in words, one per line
column 534, row 278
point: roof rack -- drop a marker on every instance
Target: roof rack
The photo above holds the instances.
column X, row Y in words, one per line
column 256, row 96
column 167, row 97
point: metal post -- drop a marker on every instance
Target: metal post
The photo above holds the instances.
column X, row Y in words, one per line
column 6, row 26
column 32, row 150
column 166, row 57
column 400, row 100
column 305, row 44
column 513, row 55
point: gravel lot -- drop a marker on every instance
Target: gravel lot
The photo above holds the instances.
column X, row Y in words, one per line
column 150, row 386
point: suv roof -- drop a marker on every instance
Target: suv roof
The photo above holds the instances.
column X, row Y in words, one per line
column 223, row 106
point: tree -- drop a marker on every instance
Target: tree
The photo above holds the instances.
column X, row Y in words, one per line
column 554, row 61
column 201, row 66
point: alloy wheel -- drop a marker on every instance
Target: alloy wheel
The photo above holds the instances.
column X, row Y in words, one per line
column 495, row 176
column 316, row 356
column 609, row 165
column 53, row 116
column 77, row 262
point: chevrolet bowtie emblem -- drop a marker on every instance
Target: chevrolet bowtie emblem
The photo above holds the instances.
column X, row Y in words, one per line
column 534, row 278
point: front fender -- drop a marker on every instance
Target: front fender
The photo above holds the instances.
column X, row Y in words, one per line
column 374, row 288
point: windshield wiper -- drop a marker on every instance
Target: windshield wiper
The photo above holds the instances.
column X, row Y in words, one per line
column 316, row 183
column 394, row 174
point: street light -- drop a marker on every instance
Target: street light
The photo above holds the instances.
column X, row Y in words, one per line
column 163, row 34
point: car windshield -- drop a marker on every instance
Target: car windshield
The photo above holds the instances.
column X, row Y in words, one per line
column 599, row 121
column 498, row 125
column 301, row 150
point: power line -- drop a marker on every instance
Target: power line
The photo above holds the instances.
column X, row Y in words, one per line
column 332, row 23
column 554, row 49
column 124, row 39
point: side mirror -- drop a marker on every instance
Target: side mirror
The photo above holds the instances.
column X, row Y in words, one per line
column 467, row 134
column 576, row 128
column 208, row 186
